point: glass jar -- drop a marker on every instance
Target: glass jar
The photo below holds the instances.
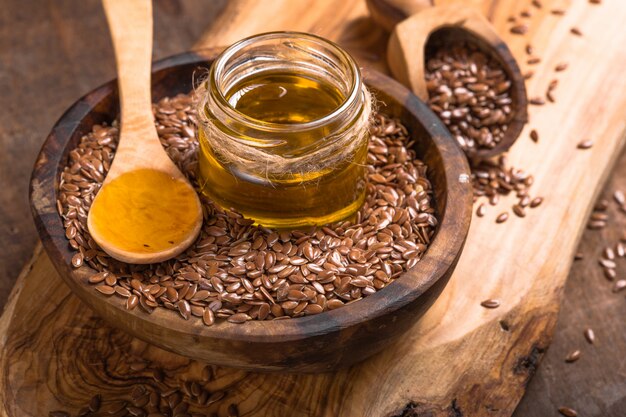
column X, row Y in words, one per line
column 284, row 131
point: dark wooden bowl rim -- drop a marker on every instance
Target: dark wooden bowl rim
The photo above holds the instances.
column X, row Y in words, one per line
column 440, row 257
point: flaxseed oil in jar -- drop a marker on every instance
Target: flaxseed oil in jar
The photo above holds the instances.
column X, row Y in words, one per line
column 284, row 131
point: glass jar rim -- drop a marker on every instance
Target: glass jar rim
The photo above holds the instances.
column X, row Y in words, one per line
column 218, row 67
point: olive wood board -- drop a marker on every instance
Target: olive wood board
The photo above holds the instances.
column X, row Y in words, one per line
column 460, row 359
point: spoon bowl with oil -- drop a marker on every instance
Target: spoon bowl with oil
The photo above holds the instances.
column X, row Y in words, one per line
column 146, row 210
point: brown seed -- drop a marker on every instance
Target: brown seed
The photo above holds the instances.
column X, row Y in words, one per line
column 568, row 412
column 533, row 61
column 239, row 318
column 480, row 211
column 519, row 211
column 99, row 277
column 561, row 67
column 132, row 302
column 585, row 144
column 619, row 197
column 534, row 136
column 502, row 217
column 184, row 309
column 536, row 3
column 573, row 356
column 557, row 12
column 491, row 303
column 609, row 273
column 208, row 317
column 105, row 289
column 576, row 31
column 529, row 49
column 519, row 29
column 607, row 263
column 590, row 335
column 537, row 101
column 77, row 260
column 536, row 202
column 578, row 256
column 619, row 285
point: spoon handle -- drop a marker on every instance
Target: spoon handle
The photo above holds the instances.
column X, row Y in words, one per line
column 130, row 23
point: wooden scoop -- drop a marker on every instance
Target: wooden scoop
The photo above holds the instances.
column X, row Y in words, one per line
column 146, row 210
column 413, row 39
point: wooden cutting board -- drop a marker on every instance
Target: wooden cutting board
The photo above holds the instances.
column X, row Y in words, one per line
column 460, row 359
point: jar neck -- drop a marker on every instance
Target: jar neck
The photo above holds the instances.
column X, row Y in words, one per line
column 297, row 53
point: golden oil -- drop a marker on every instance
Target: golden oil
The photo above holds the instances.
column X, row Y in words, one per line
column 285, row 146
column 144, row 211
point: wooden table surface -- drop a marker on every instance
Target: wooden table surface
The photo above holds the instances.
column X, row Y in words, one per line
column 53, row 52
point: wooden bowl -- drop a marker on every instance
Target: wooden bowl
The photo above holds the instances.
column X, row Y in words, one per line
column 415, row 39
column 308, row 344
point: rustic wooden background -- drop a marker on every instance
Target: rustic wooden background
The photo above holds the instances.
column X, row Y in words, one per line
column 53, row 52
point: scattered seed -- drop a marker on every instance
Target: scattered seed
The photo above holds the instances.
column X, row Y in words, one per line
column 561, row 67
column 619, row 197
column 519, row 29
column 607, row 263
column 619, row 285
column 572, row 356
column 590, row 335
column 576, row 31
column 519, row 211
column 536, row 3
column 557, row 12
column 568, row 412
column 529, row 49
column 578, row 256
column 490, row 303
column 537, row 101
column 502, row 217
column 585, row 144
column 534, row 136
column 609, row 273
column 533, row 61
column 480, row 211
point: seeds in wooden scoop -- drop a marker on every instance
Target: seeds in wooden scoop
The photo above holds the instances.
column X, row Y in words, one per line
column 470, row 92
column 236, row 271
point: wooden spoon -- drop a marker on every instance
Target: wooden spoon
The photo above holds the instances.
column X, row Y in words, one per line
column 412, row 40
column 146, row 210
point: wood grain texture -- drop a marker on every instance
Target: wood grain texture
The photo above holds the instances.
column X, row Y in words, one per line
column 492, row 377
column 316, row 343
column 594, row 385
